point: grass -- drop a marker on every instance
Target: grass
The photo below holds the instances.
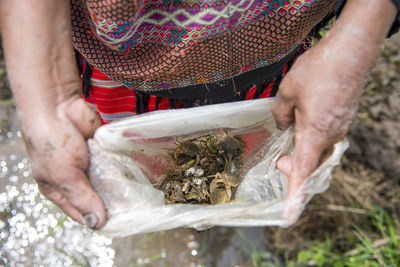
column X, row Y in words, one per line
column 204, row 242
column 376, row 243
column 7, row 101
column 148, row 260
column 258, row 258
column 74, row 260
column 60, row 224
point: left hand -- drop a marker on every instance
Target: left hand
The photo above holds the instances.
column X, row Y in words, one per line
column 320, row 94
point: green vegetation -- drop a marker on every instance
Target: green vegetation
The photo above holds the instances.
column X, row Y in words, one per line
column 204, row 242
column 74, row 260
column 377, row 243
column 258, row 258
column 7, row 101
column 60, row 224
column 148, row 260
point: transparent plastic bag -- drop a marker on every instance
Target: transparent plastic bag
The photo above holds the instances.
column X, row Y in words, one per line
column 127, row 159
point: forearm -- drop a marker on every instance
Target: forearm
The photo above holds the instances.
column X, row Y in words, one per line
column 39, row 53
column 372, row 17
column 359, row 33
column 55, row 119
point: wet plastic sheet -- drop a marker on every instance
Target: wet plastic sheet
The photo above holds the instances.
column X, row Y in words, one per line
column 127, row 159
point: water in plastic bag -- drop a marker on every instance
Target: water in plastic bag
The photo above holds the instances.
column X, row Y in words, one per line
column 128, row 157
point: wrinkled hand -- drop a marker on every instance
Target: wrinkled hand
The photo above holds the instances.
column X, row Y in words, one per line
column 55, row 120
column 59, row 158
column 320, row 95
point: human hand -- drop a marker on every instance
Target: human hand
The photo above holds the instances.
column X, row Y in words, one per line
column 320, row 97
column 59, row 158
column 320, row 94
column 55, row 120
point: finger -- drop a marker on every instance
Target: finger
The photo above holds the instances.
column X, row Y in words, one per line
column 56, row 197
column 293, row 206
column 284, row 164
column 307, row 155
column 76, row 189
column 83, row 117
column 283, row 111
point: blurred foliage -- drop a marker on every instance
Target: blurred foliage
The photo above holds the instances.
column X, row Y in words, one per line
column 376, row 243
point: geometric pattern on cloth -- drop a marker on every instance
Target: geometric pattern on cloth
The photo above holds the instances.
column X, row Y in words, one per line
column 164, row 44
column 186, row 23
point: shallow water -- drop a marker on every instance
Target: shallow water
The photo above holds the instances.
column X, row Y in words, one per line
column 34, row 232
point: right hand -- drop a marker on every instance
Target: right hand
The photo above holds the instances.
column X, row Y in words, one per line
column 55, row 120
column 59, row 158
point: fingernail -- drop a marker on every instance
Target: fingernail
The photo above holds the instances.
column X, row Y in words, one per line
column 90, row 220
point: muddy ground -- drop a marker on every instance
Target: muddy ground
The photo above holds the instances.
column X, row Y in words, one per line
column 370, row 171
column 375, row 136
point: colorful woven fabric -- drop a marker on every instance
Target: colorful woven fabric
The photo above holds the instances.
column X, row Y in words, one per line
column 160, row 45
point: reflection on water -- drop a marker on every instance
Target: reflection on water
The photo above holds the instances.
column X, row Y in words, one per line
column 34, row 232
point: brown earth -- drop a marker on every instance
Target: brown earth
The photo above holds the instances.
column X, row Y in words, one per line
column 375, row 136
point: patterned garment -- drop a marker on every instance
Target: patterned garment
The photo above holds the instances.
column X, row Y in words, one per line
column 158, row 46
column 112, row 100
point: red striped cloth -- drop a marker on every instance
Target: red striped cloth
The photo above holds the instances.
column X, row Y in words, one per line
column 113, row 100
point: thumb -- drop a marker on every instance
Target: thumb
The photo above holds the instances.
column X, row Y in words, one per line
column 83, row 117
column 306, row 158
column 76, row 189
column 284, row 164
